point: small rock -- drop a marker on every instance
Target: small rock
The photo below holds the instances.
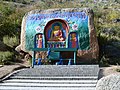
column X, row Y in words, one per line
column 1, row 65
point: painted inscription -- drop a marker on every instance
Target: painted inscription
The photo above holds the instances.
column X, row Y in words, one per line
column 77, row 22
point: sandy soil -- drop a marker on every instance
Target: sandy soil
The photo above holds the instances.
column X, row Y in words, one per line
column 105, row 71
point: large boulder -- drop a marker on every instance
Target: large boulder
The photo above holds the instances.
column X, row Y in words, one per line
column 88, row 44
column 111, row 82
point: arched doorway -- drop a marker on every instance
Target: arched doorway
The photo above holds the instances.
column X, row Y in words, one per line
column 56, row 33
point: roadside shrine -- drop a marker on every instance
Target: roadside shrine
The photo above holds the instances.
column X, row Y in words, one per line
column 59, row 36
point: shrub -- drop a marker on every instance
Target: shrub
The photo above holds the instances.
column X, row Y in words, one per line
column 6, row 58
column 6, row 9
column 104, row 61
column 113, row 14
column 11, row 41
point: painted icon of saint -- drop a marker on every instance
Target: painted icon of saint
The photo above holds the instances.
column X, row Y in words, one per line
column 39, row 41
column 73, row 40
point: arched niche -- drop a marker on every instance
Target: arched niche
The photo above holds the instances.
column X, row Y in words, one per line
column 73, row 40
column 56, row 33
column 38, row 40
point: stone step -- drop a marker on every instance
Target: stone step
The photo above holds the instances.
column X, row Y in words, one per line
column 51, row 81
column 45, row 88
column 47, row 85
column 53, row 77
column 60, row 70
column 57, row 78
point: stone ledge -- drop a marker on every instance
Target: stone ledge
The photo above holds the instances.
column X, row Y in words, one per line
column 61, row 70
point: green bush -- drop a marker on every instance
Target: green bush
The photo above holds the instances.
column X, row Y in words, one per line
column 104, row 61
column 6, row 58
column 8, row 21
column 112, row 14
column 11, row 41
column 6, row 9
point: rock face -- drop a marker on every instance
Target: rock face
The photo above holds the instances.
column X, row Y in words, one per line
column 111, row 82
column 79, row 21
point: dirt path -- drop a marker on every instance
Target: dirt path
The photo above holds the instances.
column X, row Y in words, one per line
column 7, row 69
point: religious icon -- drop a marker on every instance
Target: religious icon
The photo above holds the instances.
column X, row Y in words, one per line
column 57, row 33
column 39, row 41
column 73, row 42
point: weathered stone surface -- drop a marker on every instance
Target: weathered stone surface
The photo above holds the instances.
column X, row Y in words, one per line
column 111, row 82
column 93, row 52
column 89, row 54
